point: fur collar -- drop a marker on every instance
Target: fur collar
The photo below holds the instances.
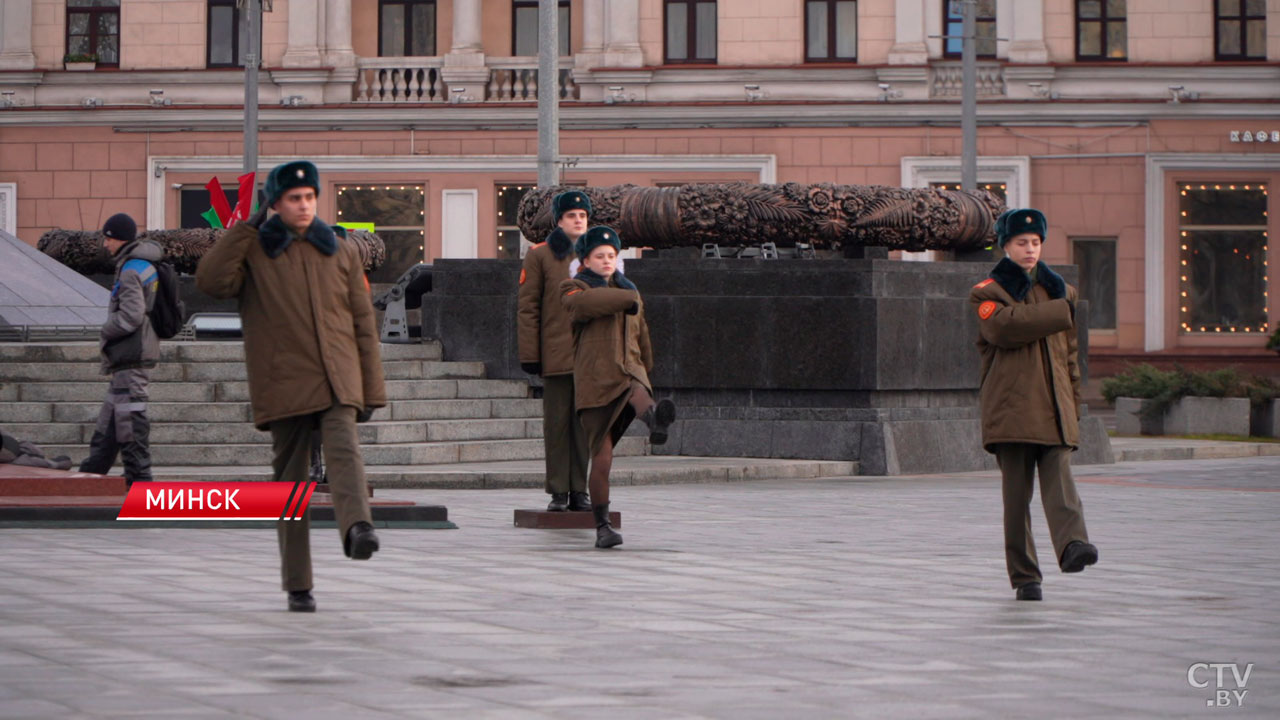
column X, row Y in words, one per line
column 1017, row 282
column 275, row 237
column 559, row 243
column 595, row 281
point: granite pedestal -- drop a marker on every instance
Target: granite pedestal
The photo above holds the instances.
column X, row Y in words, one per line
column 864, row 359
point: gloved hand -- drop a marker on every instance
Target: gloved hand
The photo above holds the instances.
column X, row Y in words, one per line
column 255, row 220
column 532, row 368
column 364, row 415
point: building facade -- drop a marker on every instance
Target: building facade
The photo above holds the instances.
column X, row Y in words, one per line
column 1147, row 130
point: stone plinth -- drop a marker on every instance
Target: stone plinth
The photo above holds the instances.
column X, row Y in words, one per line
column 866, row 360
column 544, row 520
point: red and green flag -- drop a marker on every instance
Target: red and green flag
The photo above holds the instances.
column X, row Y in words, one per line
column 221, row 215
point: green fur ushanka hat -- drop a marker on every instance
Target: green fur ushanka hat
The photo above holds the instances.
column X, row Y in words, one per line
column 1016, row 221
column 594, row 238
column 570, row 200
column 283, row 178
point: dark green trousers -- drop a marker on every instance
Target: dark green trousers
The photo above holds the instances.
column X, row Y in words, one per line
column 291, row 444
column 563, row 438
column 1062, row 508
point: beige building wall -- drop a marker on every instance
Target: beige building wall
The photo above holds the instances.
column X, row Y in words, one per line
column 651, row 37
column 167, row 35
column 876, row 32
column 1060, row 31
column 1170, row 31
column 759, row 32
column 275, row 33
column 1273, row 30
column 48, row 33
column 156, row 35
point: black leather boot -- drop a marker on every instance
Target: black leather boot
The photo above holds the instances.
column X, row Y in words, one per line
column 606, row 537
column 559, row 502
column 362, row 541
column 301, row 601
column 579, row 502
column 1030, row 591
column 658, row 418
column 1077, row 556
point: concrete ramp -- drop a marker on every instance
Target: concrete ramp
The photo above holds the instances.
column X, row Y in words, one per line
column 37, row 291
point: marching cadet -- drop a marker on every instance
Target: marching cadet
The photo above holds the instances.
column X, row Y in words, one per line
column 312, row 353
column 611, row 364
column 546, row 349
column 1030, row 398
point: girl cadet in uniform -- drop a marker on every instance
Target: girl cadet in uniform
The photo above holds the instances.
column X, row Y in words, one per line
column 611, row 364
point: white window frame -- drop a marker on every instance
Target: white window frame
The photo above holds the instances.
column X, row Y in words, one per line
column 9, row 208
column 1159, row 242
column 1014, row 171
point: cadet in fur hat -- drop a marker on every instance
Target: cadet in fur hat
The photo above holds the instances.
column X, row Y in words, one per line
column 611, row 364
column 312, row 353
column 1030, row 398
column 545, row 339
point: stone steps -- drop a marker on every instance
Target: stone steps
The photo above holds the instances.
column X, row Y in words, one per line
column 240, row 432
column 238, row 412
column 235, row 455
column 238, row 391
column 60, row 372
column 173, row 352
column 438, row 414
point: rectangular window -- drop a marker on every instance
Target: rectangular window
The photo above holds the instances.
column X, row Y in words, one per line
column 1101, row 30
column 93, row 29
column 984, row 28
column 511, row 243
column 1096, row 260
column 831, row 30
column 193, row 202
column 690, row 31
column 223, row 35
column 524, row 24
column 1222, row 263
column 398, row 213
column 406, row 28
column 1241, row 29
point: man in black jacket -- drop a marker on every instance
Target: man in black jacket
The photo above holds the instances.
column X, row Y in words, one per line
column 130, row 348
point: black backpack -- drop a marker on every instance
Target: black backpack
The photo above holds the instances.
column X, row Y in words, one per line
column 168, row 312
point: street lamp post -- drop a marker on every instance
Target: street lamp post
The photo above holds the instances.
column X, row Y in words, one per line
column 548, row 91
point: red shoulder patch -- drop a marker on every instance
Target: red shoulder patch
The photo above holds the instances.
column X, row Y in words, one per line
column 984, row 283
column 987, row 309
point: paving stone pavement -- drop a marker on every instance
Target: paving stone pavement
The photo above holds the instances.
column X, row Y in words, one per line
column 829, row 598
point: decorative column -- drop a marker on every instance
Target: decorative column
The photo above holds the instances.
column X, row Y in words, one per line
column 591, row 53
column 908, row 38
column 15, row 35
column 622, row 33
column 305, row 38
column 337, row 28
column 1027, row 40
column 464, row 65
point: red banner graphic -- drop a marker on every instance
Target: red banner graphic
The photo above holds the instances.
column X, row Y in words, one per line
column 216, row 501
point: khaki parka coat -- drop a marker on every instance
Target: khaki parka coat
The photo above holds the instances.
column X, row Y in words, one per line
column 1030, row 389
column 544, row 333
column 611, row 344
column 309, row 328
